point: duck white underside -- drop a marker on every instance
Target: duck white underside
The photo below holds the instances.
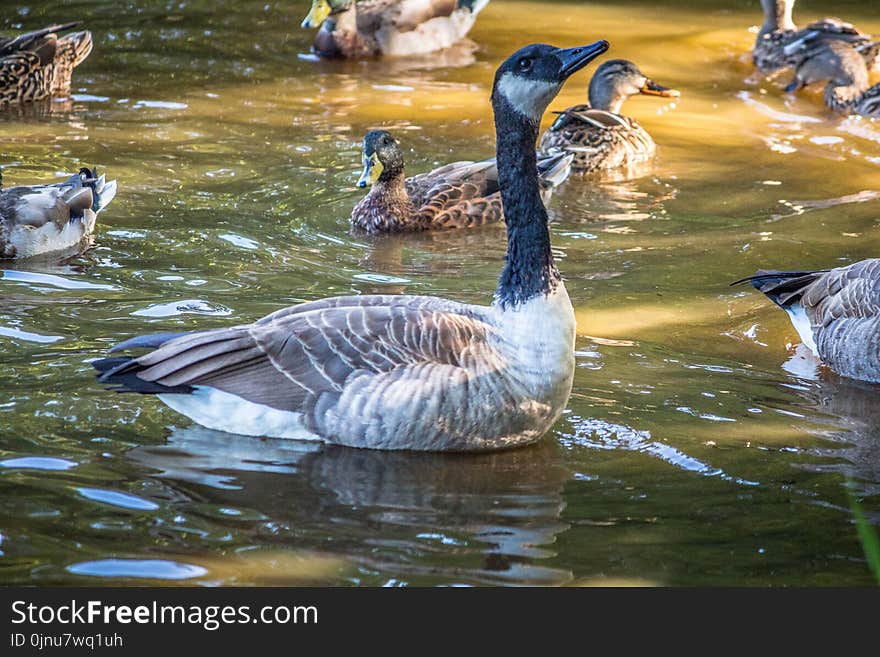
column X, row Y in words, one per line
column 224, row 411
column 803, row 326
column 434, row 34
column 29, row 241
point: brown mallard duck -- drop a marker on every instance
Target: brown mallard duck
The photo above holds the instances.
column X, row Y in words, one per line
column 39, row 64
column 780, row 44
column 845, row 71
column 458, row 195
column 836, row 313
column 597, row 134
column 42, row 218
column 389, row 27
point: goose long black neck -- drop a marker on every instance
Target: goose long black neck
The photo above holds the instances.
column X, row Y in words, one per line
column 529, row 270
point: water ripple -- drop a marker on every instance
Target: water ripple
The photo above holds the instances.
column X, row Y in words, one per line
column 139, row 568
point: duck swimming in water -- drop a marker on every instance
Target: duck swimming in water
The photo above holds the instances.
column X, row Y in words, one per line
column 780, row 44
column 836, row 312
column 400, row 371
column 44, row 218
column 846, row 74
column 597, row 134
column 38, row 64
column 457, row 195
column 389, row 27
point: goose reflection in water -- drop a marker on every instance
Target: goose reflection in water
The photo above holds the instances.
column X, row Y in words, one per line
column 850, row 408
column 489, row 518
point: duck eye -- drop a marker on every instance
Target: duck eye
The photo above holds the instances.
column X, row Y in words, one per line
column 524, row 64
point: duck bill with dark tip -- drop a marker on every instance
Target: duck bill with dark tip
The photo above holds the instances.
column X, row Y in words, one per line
column 651, row 88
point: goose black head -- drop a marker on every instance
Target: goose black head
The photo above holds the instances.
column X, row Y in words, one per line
column 618, row 79
column 532, row 76
column 321, row 9
column 383, row 159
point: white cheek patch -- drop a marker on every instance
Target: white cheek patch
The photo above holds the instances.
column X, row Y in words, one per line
column 529, row 97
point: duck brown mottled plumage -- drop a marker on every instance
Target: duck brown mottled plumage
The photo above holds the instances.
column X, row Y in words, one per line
column 781, row 44
column 457, row 195
column 836, row 313
column 389, row 27
column 598, row 136
column 39, row 64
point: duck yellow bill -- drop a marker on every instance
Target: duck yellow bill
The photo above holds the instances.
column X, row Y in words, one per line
column 372, row 170
column 651, row 88
column 317, row 14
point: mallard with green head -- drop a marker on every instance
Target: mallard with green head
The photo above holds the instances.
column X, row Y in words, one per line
column 389, row 27
column 459, row 195
column 43, row 218
column 598, row 136
column 780, row 44
column 847, row 90
column 39, row 64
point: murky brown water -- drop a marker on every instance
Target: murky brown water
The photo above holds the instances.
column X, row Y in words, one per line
column 698, row 448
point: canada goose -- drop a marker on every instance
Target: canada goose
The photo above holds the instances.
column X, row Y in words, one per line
column 400, row 371
column 457, row 195
column 836, row 313
column 38, row 64
column 847, row 91
column 780, row 44
column 43, row 218
column 597, row 134
column 389, row 27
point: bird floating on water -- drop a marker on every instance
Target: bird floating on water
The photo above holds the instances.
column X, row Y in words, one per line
column 44, row 218
column 39, row 64
column 847, row 90
column 458, row 195
column 781, row 44
column 597, row 134
column 400, row 371
column 389, row 27
column 836, row 313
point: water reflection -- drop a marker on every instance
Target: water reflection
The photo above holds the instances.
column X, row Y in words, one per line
column 621, row 199
column 411, row 517
column 852, row 411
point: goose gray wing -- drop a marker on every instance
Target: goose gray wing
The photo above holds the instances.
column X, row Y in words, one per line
column 306, row 358
column 851, row 292
column 836, row 312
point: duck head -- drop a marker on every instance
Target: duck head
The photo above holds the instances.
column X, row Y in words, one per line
column 532, row 76
column 618, row 79
column 382, row 157
column 321, row 9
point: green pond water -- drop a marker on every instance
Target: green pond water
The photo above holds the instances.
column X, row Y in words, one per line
column 699, row 447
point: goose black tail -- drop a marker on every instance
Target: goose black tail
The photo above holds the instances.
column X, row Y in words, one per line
column 120, row 372
column 781, row 287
